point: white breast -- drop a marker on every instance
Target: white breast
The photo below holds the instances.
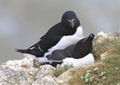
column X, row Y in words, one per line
column 87, row 60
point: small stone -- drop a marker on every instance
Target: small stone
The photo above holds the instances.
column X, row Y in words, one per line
column 24, row 64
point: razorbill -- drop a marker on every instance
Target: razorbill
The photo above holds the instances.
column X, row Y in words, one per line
column 66, row 41
column 76, row 51
column 67, row 26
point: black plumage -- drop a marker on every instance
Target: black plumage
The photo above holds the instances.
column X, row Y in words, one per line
column 83, row 47
column 67, row 26
column 79, row 50
column 59, row 55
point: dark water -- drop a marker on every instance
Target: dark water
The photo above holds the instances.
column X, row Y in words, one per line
column 23, row 22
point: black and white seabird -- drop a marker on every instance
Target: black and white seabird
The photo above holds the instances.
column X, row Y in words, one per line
column 67, row 26
column 76, row 51
column 66, row 41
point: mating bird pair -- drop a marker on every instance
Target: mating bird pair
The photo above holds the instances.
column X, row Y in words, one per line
column 62, row 41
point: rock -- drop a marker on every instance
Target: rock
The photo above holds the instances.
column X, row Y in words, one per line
column 46, row 80
column 45, row 76
column 45, row 70
column 65, row 77
column 25, row 62
column 14, row 75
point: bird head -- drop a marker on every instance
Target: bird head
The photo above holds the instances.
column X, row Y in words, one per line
column 70, row 20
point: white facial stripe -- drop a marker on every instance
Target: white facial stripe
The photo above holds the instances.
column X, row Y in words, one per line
column 40, row 48
column 32, row 48
column 71, row 20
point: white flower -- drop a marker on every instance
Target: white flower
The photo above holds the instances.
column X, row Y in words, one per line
column 88, row 71
column 116, row 68
column 102, row 73
column 104, row 77
column 87, row 75
column 96, row 69
column 82, row 77
column 86, row 80
column 92, row 79
column 118, row 83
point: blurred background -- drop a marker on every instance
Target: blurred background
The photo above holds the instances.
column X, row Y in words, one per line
column 23, row 22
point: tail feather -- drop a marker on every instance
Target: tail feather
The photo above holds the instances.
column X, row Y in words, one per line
column 21, row 50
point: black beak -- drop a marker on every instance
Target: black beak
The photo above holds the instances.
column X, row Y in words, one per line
column 90, row 36
column 72, row 24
